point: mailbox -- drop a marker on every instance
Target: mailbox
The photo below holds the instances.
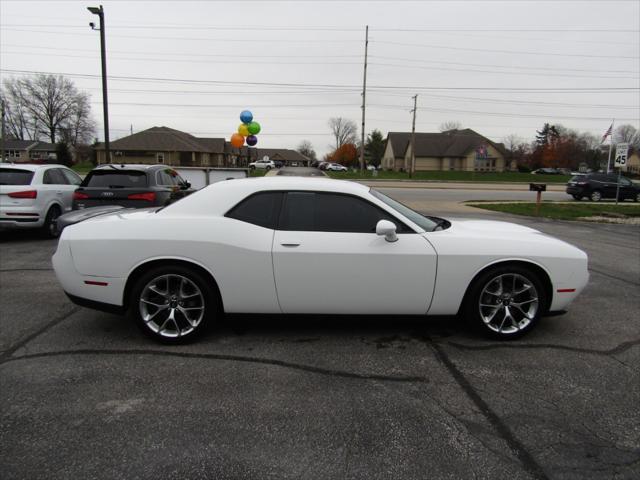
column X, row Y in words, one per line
column 538, row 187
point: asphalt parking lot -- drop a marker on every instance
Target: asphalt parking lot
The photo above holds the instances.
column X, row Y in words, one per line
column 85, row 395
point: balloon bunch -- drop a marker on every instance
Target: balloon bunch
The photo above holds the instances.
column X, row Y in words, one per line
column 248, row 128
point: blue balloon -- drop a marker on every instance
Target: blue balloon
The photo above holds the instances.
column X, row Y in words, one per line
column 246, row 116
column 252, row 140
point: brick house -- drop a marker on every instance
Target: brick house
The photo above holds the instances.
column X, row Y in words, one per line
column 23, row 151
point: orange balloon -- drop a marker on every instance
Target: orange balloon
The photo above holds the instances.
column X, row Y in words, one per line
column 237, row 140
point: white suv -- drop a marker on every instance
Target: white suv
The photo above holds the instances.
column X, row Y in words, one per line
column 262, row 164
column 34, row 196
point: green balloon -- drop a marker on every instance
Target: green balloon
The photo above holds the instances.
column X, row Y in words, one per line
column 254, row 128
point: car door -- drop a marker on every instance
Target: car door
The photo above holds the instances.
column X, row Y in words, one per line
column 626, row 188
column 53, row 188
column 327, row 258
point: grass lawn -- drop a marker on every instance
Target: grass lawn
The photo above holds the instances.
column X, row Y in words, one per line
column 563, row 211
column 257, row 172
column 453, row 176
column 83, row 167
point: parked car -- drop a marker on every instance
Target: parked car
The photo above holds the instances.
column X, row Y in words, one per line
column 278, row 163
column 546, row 171
column 135, row 186
column 323, row 165
column 596, row 186
column 371, row 168
column 336, row 167
column 35, row 195
column 297, row 245
column 262, row 165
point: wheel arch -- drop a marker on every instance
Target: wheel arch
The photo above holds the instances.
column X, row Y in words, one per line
column 540, row 271
column 147, row 265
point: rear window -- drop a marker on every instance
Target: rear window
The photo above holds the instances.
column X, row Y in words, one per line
column 14, row 176
column 115, row 179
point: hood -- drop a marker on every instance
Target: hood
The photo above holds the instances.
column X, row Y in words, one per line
column 492, row 227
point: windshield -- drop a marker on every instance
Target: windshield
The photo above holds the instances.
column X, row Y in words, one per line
column 417, row 218
column 116, row 179
column 13, row 176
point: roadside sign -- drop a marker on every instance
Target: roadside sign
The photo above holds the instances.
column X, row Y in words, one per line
column 265, row 158
column 622, row 149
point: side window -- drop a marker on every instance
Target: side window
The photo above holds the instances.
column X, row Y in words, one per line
column 329, row 212
column 625, row 181
column 261, row 209
column 53, row 176
column 72, row 177
column 163, row 178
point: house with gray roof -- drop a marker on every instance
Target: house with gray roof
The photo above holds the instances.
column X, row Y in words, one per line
column 176, row 148
column 23, row 151
column 462, row 150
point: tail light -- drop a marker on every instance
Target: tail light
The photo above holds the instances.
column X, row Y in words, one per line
column 80, row 196
column 149, row 196
column 25, row 194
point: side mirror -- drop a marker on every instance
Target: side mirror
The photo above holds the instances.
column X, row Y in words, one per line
column 388, row 229
column 185, row 185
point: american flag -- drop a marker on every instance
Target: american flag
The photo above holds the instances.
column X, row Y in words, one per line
column 607, row 133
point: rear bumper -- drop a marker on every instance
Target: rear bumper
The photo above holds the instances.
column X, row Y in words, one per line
column 20, row 216
column 94, row 305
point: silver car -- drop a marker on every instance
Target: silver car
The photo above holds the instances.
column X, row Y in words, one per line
column 34, row 196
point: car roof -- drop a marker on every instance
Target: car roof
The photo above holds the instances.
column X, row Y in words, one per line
column 131, row 166
column 30, row 166
column 221, row 196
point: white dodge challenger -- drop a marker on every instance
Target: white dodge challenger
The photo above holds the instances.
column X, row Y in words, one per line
column 311, row 246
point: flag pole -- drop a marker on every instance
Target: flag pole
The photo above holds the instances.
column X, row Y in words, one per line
column 610, row 146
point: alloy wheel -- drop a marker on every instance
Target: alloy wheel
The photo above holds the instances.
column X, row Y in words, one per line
column 508, row 303
column 171, row 305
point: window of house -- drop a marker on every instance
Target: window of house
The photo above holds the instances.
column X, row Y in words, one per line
column 160, row 157
column 332, row 212
column 261, row 209
column 13, row 153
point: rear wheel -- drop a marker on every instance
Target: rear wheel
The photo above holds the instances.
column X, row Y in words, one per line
column 506, row 302
column 595, row 196
column 50, row 227
column 173, row 304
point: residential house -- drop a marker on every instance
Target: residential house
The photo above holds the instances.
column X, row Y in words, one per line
column 633, row 162
column 23, row 151
column 461, row 150
column 176, row 148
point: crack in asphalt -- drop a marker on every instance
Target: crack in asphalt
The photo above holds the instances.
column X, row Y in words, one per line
column 618, row 349
column 5, row 356
column 599, row 272
column 529, row 464
column 214, row 356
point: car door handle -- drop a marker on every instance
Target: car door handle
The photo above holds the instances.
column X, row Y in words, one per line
column 290, row 243
column 59, row 192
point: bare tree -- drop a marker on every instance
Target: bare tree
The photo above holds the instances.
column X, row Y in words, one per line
column 306, row 149
column 48, row 105
column 343, row 130
column 450, row 125
column 627, row 134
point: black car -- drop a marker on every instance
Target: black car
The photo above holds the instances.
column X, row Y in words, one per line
column 596, row 186
column 133, row 186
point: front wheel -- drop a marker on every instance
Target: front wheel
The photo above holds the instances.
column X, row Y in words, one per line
column 173, row 304
column 577, row 197
column 505, row 302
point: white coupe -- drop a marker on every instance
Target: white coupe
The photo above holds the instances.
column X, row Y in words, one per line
column 311, row 246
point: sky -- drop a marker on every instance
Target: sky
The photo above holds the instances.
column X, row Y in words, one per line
column 498, row 67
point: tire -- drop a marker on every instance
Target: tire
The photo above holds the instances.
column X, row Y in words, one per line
column 173, row 304
column 50, row 226
column 595, row 196
column 577, row 197
column 493, row 308
column 268, row 168
column 637, row 197
column 252, row 167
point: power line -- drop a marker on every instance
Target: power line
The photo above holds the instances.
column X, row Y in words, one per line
column 324, row 85
column 515, row 52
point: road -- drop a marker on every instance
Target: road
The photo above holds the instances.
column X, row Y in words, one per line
column 85, row 395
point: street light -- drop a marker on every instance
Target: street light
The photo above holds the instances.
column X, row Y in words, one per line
column 103, row 54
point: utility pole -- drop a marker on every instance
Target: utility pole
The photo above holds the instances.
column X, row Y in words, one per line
column 610, row 146
column 364, row 96
column 131, row 129
column 103, row 55
column 412, row 167
column 3, row 135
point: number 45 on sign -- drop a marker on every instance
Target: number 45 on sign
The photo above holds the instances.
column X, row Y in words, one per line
column 621, row 155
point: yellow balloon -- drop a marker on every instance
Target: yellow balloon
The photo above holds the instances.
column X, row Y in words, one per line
column 243, row 129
